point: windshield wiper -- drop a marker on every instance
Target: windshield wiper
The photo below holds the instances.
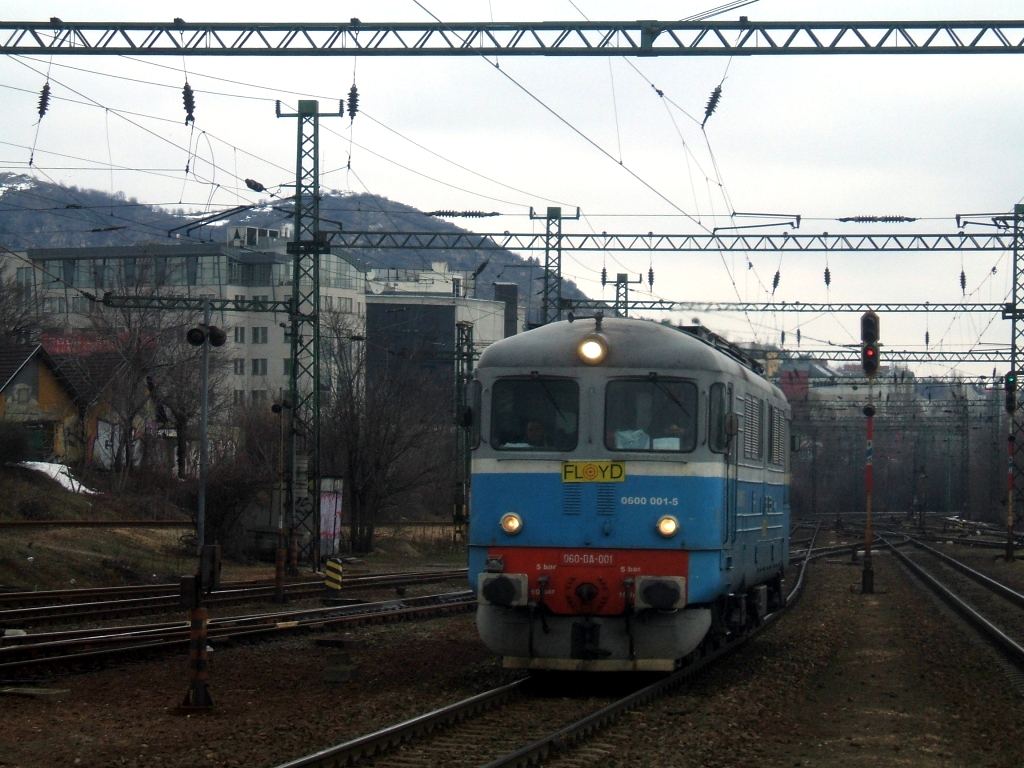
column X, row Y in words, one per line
column 672, row 397
column 551, row 397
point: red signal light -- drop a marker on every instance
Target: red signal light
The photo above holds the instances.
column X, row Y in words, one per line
column 869, row 359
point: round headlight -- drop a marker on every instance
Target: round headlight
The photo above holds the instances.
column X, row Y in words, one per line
column 592, row 350
column 667, row 526
column 511, row 523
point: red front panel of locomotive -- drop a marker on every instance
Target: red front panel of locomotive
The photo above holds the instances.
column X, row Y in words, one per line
column 605, row 569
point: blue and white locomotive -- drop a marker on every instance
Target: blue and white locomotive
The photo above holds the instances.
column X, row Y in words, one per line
column 630, row 500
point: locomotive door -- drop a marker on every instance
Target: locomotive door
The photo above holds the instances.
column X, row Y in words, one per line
column 732, row 477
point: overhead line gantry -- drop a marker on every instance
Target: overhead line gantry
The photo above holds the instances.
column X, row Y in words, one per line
column 481, row 38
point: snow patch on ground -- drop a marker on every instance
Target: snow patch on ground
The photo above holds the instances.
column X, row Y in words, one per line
column 60, row 474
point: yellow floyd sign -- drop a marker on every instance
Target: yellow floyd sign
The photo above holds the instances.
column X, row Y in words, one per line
column 593, row 471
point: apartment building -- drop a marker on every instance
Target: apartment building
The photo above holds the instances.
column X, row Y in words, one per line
column 252, row 264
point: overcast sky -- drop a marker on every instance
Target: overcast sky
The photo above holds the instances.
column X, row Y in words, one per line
column 823, row 137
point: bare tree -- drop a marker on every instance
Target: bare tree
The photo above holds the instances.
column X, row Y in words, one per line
column 387, row 433
column 176, row 384
column 20, row 319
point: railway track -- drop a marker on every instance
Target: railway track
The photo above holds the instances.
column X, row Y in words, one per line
column 120, row 606
column 36, row 652
column 495, row 728
column 974, row 596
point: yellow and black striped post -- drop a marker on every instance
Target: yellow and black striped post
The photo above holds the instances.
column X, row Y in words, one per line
column 198, row 696
column 332, row 578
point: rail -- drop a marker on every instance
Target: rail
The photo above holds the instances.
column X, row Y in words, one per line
column 392, row 736
column 990, row 631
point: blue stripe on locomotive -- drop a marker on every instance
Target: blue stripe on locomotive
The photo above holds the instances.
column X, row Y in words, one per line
column 716, row 566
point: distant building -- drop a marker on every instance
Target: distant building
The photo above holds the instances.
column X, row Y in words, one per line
column 252, row 265
column 61, row 401
column 413, row 320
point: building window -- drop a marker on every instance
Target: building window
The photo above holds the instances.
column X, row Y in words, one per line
column 239, row 396
column 82, row 305
column 25, row 282
column 259, row 367
column 261, row 301
column 239, row 366
column 259, row 335
column 259, row 395
column 55, row 305
column 239, row 335
column 239, row 297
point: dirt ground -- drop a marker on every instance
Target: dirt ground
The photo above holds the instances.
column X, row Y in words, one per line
column 846, row 679
column 271, row 705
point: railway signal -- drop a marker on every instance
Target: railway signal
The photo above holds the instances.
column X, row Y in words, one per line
column 1010, row 385
column 870, row 329
column 870, row 332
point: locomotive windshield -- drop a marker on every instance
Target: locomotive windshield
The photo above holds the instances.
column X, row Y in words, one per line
column 535, row 414
column 651, row 415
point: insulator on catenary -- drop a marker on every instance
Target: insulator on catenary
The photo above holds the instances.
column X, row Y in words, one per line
column 783, row 338
column 353, row 101
column 650, row 277
column 464, row 214
column 877, row 219
column 828, row 277
column 927, row 339
column 963, row 282
column 716, row 96
column 277, row 107
column 189, row 99
column 775, row 282
column 604, row 276
column 798, row 337
column 255, row 186
column 44, row 99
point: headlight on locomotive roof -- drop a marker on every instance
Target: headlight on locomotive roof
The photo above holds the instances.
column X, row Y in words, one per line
column 592, row 350
column 511, row 523
column 667, row 526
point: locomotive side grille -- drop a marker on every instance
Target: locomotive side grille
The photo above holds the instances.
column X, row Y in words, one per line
column 777, row 449
column 572, row 498
column 606, row 499
column 752, row 428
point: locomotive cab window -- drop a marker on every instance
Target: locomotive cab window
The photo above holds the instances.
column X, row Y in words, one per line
column 535, row 414
column 658, row 415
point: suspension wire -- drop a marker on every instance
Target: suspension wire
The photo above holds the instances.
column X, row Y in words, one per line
column 118, row 113
column 599, row 148
column 368, row 116
column 110, row 157
column 44, row 99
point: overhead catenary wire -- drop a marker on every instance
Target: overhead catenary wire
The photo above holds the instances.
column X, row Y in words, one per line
column 594, row 144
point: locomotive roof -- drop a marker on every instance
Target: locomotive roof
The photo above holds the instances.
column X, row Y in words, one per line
column 631, row 344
